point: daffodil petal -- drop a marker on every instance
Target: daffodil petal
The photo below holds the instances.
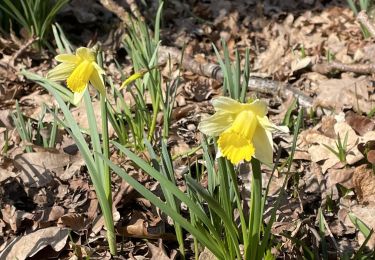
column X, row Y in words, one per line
column 215, row 124
column 266, row 123
column 226, row 104
column 97, row 82
column 98, row 68
column 85, row 54
column 79, row 78
column 67, row 58
column 235, row 147
column 61, row 72
column 259, row 107
column 77, row 97
column 263, row 145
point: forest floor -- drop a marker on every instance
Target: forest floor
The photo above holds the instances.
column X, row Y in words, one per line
column 304, row 55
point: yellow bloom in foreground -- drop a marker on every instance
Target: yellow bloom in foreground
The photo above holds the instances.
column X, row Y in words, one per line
column 244, row 130
column 78, row 70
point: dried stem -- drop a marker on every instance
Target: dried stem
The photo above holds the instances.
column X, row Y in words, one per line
column 118, row 10
column 134, row 9
column 325, row 68
column 21, row 50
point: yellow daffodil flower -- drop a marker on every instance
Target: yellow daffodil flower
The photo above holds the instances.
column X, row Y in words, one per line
column 78, row 70
column 136, row 76
column 244, row 130
column 132, row 78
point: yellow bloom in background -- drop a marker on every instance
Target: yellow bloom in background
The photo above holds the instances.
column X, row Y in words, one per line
column 244, row 130
column 133, row 78
column 78, row 70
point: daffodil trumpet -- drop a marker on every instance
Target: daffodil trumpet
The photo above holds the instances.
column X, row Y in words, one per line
column 243, row 129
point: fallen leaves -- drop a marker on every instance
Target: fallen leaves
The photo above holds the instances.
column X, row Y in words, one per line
column 316, row 143
column 344, row 93
column 30, row 244
column 36, row 168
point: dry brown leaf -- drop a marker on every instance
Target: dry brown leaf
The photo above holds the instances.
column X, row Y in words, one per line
column 361, row 124
column 49, row 214
column 337, row 176
column 26, row 246
column 73, row 221
column 158, row 252
column 36, row 168
column 344, row 93
column 276, row 50
column 207, row 255
column 364, row 184
column 13, row 217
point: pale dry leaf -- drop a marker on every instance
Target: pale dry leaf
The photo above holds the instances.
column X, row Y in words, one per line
column 206, row 254
column 343, row 93
column 299, row 64
column 30, row 244
column 266, row 60
column 36, row 168
column 158, row 252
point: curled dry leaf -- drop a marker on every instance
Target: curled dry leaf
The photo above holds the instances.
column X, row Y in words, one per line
column 26, row 246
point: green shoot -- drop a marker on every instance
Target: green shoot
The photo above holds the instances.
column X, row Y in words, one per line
column 363, row 5
column 341, row 147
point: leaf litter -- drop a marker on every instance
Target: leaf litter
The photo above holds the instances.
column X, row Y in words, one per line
column 45, row 193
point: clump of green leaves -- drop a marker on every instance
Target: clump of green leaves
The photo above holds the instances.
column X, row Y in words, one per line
column 363, row 5
column 35, row 131
column 341, row 148
column 34, row 16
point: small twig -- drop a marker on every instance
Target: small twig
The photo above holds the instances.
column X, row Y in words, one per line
column 134, row 9
column 21, row 50
column 118, row 10
column 325, row 68
column 363, row 19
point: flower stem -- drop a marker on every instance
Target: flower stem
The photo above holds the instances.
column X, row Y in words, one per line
column 255, row 210
column 111, row 236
